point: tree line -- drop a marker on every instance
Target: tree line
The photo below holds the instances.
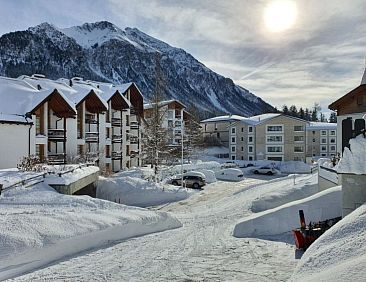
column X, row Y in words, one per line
column 312, row 114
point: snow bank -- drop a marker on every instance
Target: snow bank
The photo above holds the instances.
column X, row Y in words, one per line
column 39, row 226
column 138, row 192
column 354, row 160
column 138, row 172
column 321, row 206
column 197, row 166
column 339, row 254
column 301, row 189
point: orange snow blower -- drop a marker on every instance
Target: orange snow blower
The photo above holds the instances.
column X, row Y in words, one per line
column 307, row 234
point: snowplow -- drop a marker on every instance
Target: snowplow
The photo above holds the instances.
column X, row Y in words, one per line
column 307, row 234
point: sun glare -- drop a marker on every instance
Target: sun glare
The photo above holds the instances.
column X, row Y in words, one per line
column 280, row 15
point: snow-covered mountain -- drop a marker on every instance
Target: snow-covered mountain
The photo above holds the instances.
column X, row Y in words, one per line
column 102, row 51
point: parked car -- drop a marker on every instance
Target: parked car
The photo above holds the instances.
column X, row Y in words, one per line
column 192, row 179
column 230, row 174
column 229, row 164
column 265, row 170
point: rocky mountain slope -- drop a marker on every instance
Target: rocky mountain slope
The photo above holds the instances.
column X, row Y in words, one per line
column 102, row 51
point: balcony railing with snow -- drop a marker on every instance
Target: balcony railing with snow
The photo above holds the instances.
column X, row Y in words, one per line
column 56, row 134
column 56, row 158
column 91, row 137
column 134, row 125
column 116, row 122
column 116, row 155
column 116, row 138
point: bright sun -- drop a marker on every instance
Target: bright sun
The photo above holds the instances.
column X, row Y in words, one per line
column 280, row 15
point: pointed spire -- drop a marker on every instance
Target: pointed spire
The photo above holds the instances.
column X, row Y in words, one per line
column 363, row 81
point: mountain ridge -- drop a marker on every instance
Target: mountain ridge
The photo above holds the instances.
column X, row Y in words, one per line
column 103, row 51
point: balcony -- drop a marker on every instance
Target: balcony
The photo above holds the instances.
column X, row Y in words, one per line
column 117, row 122
column 91, row 137
column 117, row 155
column 134, row 140
column 116, row 138
column 57, row 134
column 56, row 159
column 90, row 119
column 134, row 125
column 178, row 123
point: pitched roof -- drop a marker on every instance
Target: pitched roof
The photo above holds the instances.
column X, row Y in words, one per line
column 355, row 92
column 163, row 103
column 321, row 125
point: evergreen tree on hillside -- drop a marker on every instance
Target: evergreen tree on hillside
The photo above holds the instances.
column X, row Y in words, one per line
column 301, row 113
column 293, row 111
column 285, row 110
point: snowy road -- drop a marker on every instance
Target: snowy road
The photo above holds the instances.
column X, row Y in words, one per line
column 202, row 250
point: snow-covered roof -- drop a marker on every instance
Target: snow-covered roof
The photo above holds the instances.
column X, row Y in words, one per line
column 163, row 103
column 75, row 93
column 18, row 98
column 226, row 118
column 262, row 118
column 321, row 125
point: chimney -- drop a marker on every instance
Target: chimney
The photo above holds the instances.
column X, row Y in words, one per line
column 70, row 82
column 39, row 87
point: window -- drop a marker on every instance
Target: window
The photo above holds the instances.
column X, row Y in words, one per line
column 242, row 149
column 298, row 128
column 250, row 129
column 250, row 139
column 313, row 140
column 242, row 129
column 323, row 132
column 323, row 148
column 332, row 140
column 298, row 138
column 250, row 149
column 250, row 158
column 233, row 148
column 323, row 155
column 333, row 148
column 274, row 139
column 314, row 132
column 274, row 149
column 298, row 149
column 233, row 139
column 233, row 157
column 242, row 158
column 274, row 159
column 274, row 128
column 332, row 132
column 218, row 134
column 323, row 141
column 242, row 139
column 233, row 130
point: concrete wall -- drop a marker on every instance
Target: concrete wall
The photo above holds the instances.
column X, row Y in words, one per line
column 353, row 192
column 14, row 144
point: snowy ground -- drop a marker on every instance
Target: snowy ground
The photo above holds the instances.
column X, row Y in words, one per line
column 202, row 250
column 40, row 226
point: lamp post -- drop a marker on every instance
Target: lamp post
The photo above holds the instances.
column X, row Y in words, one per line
column 181, row 132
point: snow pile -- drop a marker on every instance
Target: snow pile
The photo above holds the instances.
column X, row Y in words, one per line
column 339, row 254
column 321, row 206
column 138, row 192
column 138, row 172
column 354, row 160
column 300, row 189
column 39, row 225
column 197, row 166
column 209, row 174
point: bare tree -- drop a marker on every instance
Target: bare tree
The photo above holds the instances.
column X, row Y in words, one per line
column 155, row 137
column 193, row 136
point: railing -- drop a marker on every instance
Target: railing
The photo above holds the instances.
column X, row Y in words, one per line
column 116, row 155
column 91, row 137
column 116, row 122
column 134, row 140
column 116, row 138
column 57, row 134
column 56, row 158
column 134, row 125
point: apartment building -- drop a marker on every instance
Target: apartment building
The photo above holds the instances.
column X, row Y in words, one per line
column 33, row 121
column 173, row 119
column 321, row 140
column 271, row 136
column 99, row 130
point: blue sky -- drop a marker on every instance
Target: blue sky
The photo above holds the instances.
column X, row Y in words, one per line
column 319, row 59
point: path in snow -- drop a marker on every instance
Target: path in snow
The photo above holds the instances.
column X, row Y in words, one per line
column 202, row 250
